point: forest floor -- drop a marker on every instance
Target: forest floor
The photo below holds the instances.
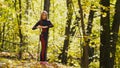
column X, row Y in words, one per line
column 7, row 62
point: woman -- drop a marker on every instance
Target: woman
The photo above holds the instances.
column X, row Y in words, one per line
column 44, row 24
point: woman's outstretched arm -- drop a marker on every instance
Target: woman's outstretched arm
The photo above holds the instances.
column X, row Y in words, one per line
column 36, row 25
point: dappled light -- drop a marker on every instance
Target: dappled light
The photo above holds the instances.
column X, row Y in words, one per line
column 59, row 33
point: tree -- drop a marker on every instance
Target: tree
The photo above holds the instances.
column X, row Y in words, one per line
column 67, row 31
column 86, row 33
column 3, row 35
column 84, row 60
column 20, row 29
column 47, row 5
column 114, row 32
column 105, row 34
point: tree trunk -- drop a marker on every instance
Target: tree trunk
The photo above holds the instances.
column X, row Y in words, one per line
column 47, row 5
column 67, row 31
column 114, row 32
column 85, row 57
column 20, row 31
column 0, row 35
column 3, row 35
column 85, row 61
column 105, row 34
column 89, row 31
column 90, row 21
column 27, row 9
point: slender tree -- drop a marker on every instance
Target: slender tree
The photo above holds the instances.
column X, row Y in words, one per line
column 84, row 61
column 67, row 31
column 88, row 33
column 105, row 34
column 114, row 32
column 3, row 35
column 47, row 5
column 27, row 7
column 0, row 35
column 20, row 29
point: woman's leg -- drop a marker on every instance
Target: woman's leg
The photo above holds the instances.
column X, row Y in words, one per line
column 43, row 54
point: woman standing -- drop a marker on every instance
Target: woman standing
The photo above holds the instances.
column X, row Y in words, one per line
column 44, row 24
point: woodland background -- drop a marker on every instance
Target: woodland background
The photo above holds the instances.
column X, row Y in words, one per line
column 85, row 33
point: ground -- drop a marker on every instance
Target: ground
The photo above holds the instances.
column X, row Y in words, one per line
column 11, row 62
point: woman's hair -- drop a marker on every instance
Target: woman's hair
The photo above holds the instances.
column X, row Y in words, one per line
column 45, row 13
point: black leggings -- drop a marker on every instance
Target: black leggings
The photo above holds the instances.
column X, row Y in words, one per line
column 44, row 43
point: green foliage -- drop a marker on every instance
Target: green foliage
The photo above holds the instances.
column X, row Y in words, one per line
column 9, row 34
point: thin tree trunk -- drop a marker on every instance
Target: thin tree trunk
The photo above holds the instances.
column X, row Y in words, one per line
column 27, row 7
column 0, row 35
column 27, row 10
column 3, row 35
column 105, row 35
column 90, row 21
column 67, row 31
column 85, row 61
column 13, row 40
column 47, row 5
column 114, row 32
column 89, row 30
column 20, row 31
column 82, row 18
